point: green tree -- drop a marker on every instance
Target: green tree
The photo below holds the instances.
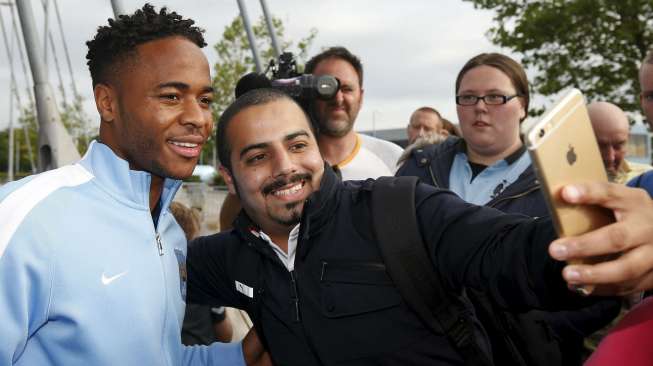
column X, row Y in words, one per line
column 23, row 167
column 73, row 118
column 235, row 60
column 593, row 45
column 77, row 123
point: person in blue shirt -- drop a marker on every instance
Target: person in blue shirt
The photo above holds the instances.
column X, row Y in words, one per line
column 92, row 263
column 490, row 166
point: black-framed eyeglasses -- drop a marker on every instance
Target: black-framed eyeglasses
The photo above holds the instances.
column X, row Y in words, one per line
column 490, row 99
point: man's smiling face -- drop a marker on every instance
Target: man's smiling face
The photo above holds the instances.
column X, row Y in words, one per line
column 160, row 113
column 275, row 163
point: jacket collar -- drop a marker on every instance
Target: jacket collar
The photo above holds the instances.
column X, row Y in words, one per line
column 320, row 204
column 526, row 181
column 439, row 157
column 114, row 176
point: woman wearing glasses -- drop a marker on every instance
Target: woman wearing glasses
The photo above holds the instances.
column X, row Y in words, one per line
column 490, row 166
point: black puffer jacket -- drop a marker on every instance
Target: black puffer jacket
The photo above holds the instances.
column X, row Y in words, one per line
column 339, row 306
column 548, row 338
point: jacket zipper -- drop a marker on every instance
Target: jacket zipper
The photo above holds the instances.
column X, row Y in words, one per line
column 159, row 245
column 435, row 181
column 294, row 291
column 294, row 297
column 297, row 318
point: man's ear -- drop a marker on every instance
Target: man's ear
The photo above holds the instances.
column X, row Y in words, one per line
column 228, row 179
column 105, row 101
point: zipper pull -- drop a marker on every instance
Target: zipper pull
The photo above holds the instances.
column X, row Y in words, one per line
column 294, row 297
column 297, row 319
column 159, row 245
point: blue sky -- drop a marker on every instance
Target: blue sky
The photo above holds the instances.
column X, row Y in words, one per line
column 411, row 50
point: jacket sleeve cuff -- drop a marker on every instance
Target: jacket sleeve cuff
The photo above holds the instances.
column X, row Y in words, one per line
column 228, row 354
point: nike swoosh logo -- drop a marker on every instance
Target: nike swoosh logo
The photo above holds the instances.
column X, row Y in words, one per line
column 107, row 280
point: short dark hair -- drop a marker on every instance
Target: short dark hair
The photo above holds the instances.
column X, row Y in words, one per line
column 339, row 53
column 114, row 43
column 513, row 70
column 251, row 98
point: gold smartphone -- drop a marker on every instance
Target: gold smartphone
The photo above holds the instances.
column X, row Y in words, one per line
column 564, row 151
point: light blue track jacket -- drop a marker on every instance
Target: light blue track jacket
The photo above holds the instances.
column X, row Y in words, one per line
column 86, row 279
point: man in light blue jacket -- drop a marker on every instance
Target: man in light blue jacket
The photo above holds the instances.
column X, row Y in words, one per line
column 92, row 263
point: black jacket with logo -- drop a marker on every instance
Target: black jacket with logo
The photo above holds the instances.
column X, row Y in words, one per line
column 340, row 307
column 562, row 332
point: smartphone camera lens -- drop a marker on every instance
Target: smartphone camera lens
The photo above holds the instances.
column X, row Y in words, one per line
column 542, row 132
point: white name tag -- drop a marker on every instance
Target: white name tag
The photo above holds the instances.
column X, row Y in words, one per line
column 244, row 289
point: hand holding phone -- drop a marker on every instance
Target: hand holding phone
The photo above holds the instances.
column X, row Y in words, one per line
column 564, row 151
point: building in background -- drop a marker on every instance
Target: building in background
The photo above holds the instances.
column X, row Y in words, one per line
column 639, row 144
column 396, row 135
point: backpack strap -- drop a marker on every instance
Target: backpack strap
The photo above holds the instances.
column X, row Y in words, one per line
column 408, row 264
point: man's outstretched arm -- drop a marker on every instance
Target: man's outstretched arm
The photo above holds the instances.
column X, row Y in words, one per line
column 484, row 248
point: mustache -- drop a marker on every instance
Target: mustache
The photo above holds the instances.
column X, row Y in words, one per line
column 282, row 181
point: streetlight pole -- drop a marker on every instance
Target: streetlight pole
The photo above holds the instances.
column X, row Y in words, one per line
column 250, row 35
column 118, row 8
column 12, row 85
column 10, row 159
column 56, row 147
column 28, row 91
column 273, row 35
